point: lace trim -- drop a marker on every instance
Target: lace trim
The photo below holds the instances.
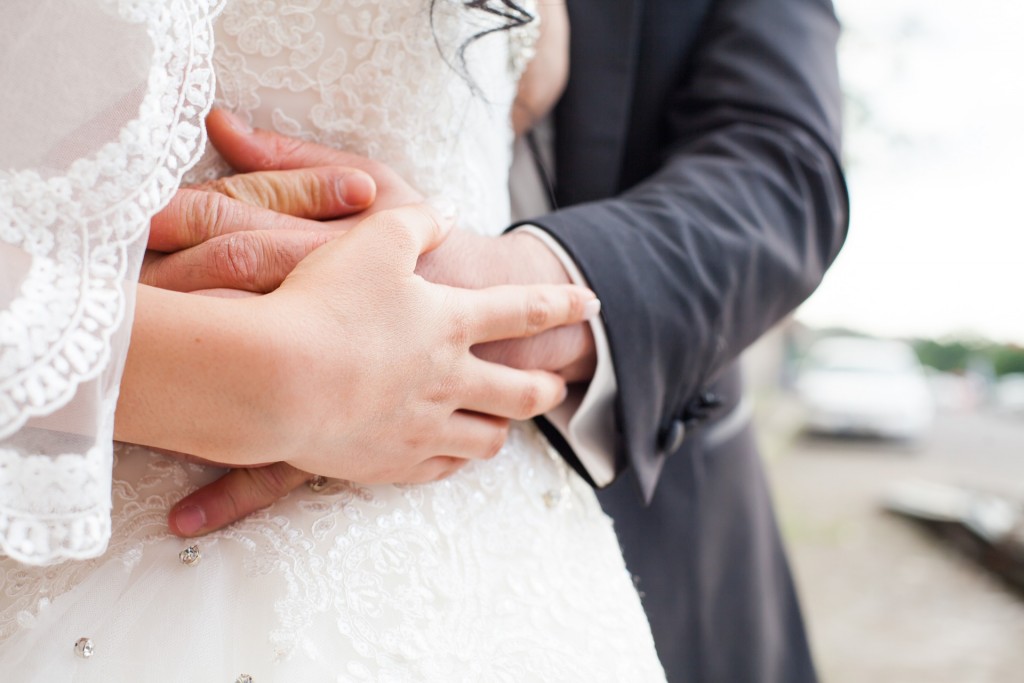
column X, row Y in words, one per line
column 78, row 228
column 53, row 524
column 56, row 334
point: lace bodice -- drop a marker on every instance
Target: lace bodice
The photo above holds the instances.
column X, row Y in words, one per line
column 384, row 80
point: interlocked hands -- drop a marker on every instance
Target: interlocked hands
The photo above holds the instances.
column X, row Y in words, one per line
column 375, row 379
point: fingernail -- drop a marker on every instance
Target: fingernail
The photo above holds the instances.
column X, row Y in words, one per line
column 355, row 190
column 189, row 519
column 591, row 309
column 237, row 122
column 444, row 206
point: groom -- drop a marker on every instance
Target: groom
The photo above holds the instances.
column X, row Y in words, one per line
column 702, row 200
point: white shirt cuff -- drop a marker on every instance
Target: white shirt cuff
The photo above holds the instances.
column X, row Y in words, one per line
column 586, row 419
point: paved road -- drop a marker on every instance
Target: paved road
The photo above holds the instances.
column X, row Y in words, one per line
column 885, row 601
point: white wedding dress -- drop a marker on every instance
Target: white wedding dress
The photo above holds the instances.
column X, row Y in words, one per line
column 507, row 571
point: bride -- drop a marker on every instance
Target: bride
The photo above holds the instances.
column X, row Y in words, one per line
column 506, row 570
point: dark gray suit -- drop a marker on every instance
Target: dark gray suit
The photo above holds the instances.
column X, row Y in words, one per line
column 696, row 168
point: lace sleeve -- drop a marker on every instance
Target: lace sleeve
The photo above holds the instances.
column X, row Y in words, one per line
column 103, row 102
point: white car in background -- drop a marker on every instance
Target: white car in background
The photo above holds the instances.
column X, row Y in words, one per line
column 1008, row 394
column 860, row 386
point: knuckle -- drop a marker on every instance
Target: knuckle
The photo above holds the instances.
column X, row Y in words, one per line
column 208, row 214
column 256, row 189
column 285, row 147
column 236, row 502
column 235, row 259
column 446, row 389
column 530, row 401
column 576, row 306
column 219, row 186
column 414, row 442
column 459, row 329
column 498, row 438
column 276, row 190
column 272, row 483
column 539, row 313
column 396, row 231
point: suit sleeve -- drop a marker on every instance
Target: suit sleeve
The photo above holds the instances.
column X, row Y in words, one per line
column 734, row 226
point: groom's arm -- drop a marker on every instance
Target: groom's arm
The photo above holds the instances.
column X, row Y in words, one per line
column 734, row 226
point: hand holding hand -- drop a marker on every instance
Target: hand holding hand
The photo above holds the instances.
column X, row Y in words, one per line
column 222, row 255
column 406, row 359
column 361, row 288
column 247, row 232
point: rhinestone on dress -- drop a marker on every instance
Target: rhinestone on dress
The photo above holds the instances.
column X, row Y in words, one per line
column 552, row 498
column 317, row 483
column 190, row 556
column 84, row 648
column 244, row 678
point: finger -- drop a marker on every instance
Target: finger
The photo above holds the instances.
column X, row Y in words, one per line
column 502, row 391
column 473, row 436
column 401, row 235
column 514, row 311
column 248, row 149
column 237, row 494
column 195, row 216
column 316, row 193
column 434, row 469
column 256, row 261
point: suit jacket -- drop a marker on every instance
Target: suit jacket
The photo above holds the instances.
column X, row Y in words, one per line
column 701, row 196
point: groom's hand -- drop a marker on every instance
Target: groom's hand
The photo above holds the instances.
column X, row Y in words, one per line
column 261, row 261
column 288, row 183
column 242, row 232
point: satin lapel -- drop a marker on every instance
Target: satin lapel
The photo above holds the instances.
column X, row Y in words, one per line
column 595, row 110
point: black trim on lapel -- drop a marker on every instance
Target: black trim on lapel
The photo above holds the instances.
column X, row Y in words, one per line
column 594, row 113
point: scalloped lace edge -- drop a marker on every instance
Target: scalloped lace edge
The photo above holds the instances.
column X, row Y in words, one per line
column 74, row 522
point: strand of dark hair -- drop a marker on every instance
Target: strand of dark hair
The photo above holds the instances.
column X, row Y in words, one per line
column 509, row 10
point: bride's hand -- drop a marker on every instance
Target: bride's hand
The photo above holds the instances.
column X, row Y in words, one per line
column 385, row 372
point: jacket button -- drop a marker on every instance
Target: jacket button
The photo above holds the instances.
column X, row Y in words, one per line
column 671, row 438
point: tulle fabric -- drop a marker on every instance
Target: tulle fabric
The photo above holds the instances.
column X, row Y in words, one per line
column 506, row 572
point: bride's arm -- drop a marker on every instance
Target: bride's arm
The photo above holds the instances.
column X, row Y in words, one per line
column 191, row 377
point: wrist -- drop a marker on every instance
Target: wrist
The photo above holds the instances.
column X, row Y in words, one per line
column 467, row 259
column 533, row 262
column 192, row 378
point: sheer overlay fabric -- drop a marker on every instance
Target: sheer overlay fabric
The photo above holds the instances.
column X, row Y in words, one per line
column 102, row 111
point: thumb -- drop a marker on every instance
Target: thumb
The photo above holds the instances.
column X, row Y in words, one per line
column 234, row 496
column 248, row 149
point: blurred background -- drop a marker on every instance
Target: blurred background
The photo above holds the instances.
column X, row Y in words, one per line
column 891, row 406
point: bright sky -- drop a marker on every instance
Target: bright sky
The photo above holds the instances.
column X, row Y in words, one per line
column 936, row 171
